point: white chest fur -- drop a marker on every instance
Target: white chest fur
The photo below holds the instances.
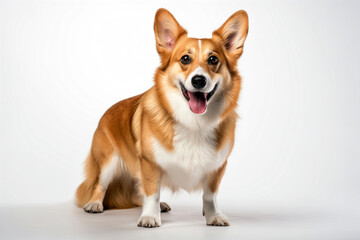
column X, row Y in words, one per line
column 193, row 157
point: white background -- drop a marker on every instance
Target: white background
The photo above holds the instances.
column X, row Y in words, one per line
column 63, row 63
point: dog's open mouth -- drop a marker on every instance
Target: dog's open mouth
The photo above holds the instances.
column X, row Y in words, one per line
column 197, row 100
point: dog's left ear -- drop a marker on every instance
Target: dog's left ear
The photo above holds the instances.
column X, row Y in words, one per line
column 233, row 33
column 167, row 31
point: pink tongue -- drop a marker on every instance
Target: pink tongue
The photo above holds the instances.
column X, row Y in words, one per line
column 197, row 102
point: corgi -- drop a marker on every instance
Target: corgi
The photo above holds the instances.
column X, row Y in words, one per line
column 178, row 134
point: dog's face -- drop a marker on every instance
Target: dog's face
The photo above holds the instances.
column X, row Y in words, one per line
column 199, row 69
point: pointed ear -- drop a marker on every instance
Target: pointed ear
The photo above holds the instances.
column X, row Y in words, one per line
column 167, row 31
column 233, row 33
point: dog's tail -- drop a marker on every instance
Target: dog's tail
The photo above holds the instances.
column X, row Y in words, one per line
column 85, row 191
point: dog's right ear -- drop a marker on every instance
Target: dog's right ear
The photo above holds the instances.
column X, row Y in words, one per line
column 167, row 31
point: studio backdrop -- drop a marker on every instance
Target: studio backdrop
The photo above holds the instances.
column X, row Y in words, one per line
column 63, row 63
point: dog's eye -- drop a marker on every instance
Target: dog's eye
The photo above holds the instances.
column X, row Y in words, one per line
column 185, row 59
column 213, row 60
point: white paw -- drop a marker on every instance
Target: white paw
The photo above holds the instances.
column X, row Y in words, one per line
column 217, row 220
column 149, row 221
column 94, row 207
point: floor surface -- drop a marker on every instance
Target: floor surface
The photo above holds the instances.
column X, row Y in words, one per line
column 66, row 221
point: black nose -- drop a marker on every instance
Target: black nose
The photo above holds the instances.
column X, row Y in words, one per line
column 198, row 81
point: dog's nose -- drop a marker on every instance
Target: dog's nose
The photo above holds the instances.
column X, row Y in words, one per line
column 198, row 81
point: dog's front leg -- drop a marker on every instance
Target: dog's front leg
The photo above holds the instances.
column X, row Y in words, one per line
column 150, row 179
column 211, row 211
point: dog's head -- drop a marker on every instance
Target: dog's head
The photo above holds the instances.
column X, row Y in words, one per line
column 199, row 70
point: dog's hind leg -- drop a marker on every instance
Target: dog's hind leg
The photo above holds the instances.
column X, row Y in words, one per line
column 101, row 168
column 107, row 174
column 164, row 207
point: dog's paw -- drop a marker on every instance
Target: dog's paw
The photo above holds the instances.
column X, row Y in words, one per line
column 165, row 207
column 217, row 220
column 94, row 207
column 149, row 221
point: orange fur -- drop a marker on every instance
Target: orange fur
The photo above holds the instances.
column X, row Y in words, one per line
column 215, row 178
column 127, row 127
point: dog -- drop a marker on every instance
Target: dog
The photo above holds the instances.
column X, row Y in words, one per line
column 178, row 134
